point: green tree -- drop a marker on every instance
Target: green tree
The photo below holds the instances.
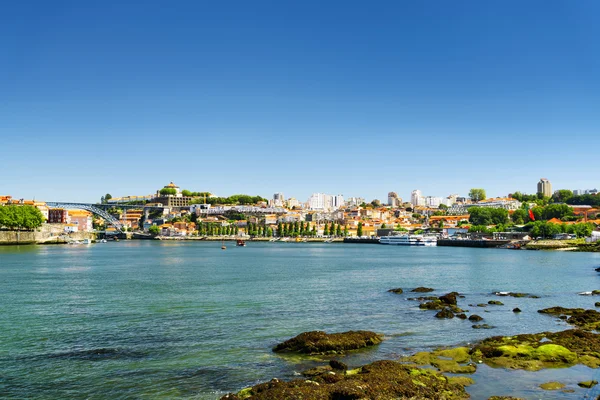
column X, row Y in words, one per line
column 562, row 196
column 338, row 230
column 519, row 216
column 326, row 230
column 186, row 193
column 376, row 203
column 168, row 192
column 154, row 230
column 359, row 229
column 383, row 226
column 345, row 230
column 477, row 194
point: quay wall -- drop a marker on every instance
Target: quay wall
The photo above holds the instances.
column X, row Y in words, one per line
column 472, row 243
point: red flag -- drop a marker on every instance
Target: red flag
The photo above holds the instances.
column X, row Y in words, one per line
column 531, row 216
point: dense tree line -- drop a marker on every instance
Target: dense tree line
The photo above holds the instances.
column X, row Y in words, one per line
column 236, row 199
column 488, row 216
column 548, row 229
column 20, row 217
column 216, row 229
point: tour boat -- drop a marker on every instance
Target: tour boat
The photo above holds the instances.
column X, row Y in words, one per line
column 409, row 240
column 240, row 243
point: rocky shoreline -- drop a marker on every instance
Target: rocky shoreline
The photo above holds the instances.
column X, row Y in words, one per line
column 441, row 373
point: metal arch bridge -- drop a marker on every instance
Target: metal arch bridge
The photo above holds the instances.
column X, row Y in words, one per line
column 88, row 207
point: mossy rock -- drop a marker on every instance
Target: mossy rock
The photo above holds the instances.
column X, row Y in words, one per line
column 495, row 303
column 461, row 380
column 422, row 289
column 586, row 319
column 381, row 380
column 542, row 350
column 587, row 384
column 397, row 291
column 475, row 318
column 552, row 385
column 505, row 398
column 318, row 342
column 445, row 313
column 446, row 360
column 483, row 326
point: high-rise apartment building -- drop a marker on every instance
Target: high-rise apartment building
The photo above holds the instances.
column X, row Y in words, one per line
column 278, row 200
column 416, row 198
column 544, row 187
column 393, row 199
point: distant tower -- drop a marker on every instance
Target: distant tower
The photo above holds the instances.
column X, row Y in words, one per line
column 544, row 187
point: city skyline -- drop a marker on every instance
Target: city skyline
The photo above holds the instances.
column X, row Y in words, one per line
column 263, row 98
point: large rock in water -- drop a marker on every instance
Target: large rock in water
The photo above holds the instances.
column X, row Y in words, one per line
column 422, row 289
column 318, row 342
column 378, row 380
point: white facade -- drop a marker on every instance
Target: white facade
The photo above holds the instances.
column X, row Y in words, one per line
column 416, row 198
column 292, row 202
column 325, row 202
column 355, row 201
column 278, row 199
column 433, row 202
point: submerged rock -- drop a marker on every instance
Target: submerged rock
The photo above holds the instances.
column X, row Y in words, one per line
column 552, row 385
column 587, row 384
column 586, row 319
column 447, row 301
column 338, row 365
column 397, row 291
column 422, row 289
column 318, row 342
column 495, row 303
column 516, row 310
column 505, row 398
column 424, row 298
column 445, row 313
column 516, row 294
column 483, row 326
column 475, row 318
column 461, row 316
column 378, row 380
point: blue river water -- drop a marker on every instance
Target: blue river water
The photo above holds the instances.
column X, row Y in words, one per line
column 150, row 319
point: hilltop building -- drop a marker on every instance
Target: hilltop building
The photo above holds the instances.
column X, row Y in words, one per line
column 278, row 199
column 172, row 200
column 393, row 199
column 544, row 187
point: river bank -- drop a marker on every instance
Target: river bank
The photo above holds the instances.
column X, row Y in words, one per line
column 47, row 234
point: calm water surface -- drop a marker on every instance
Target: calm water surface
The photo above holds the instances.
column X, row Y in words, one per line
column 147, row 320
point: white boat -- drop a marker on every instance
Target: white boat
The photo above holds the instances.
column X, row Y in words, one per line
column 87, row 241
column 409, row 240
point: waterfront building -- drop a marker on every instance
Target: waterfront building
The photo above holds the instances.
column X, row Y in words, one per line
column 81, row 219
column 58, row 216
column 544, row 187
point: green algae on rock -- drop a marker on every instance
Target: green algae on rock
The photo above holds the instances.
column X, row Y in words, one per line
column 318, row 342
column 585, row 319
column 552, row 385
column 422, row 289
column 587, row 384
column 542, row 350
column 447, row 301
column 397, row 291
column 378, row 380
column 495, row 303
column 505, row 398
column 446, row 360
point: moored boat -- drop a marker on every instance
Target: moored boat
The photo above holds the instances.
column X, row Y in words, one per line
column 240, row 243
column 409, row 240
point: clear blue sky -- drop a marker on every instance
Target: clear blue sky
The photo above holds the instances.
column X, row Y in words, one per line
column 257, row 97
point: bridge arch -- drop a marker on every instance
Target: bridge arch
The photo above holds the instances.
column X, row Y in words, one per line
column 91, row 208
